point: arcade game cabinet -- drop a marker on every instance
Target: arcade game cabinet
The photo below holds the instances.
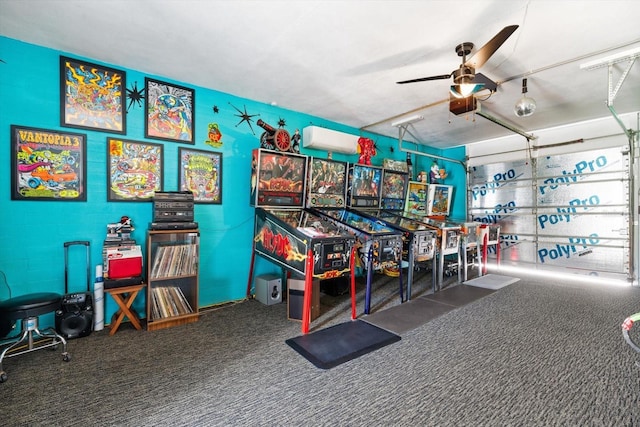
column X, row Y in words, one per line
column 287, row 234
column 418, row 239
column 379, row 246
column 437, row 207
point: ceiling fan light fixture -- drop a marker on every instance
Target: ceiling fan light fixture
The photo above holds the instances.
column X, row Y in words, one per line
column 466, row 89
column 464, row 82
column 525, row 106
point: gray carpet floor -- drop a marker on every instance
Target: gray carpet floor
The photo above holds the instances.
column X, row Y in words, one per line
column 531, row 354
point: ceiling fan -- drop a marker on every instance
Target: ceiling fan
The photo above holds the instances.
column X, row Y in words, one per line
column 465, row 79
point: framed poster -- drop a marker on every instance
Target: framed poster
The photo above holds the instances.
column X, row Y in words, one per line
column 48, row 165
column 134, row 170
column 201, row 173
column 92, row 96
column 169, row 112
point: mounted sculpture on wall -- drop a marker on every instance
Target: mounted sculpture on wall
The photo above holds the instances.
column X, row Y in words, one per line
column 366, row 149
column 274, row 139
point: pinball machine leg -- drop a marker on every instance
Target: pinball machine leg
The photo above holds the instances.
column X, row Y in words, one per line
column 352, row 266
column 400, row 281
column 434, row 273
column 410, row 269
column 253, row 258
column 485, row 253
column 308, row 286
column 462, row 266
column 440, row 268
column 367, row 297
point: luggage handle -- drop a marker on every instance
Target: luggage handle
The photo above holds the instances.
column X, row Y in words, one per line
column 85, row 243
column 76, row 242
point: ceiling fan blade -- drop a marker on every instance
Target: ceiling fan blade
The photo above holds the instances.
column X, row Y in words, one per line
column 484, row 53
column 424, row 79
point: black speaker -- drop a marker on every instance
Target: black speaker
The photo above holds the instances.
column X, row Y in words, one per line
column 74, row 318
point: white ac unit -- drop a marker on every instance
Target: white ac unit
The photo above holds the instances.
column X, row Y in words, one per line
column 329, row 140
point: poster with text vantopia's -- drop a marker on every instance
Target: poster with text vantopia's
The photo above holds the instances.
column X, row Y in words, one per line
column 47, row 165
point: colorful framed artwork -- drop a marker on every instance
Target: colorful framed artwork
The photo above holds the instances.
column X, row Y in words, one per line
column 201, row 173
column 92, row 96
column 48, row 165
column 169, row 112
column 135, row 170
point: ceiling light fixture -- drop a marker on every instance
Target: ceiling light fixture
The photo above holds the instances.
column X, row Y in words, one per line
column 464, row 82
column 525, row 106
column 470, row 84
column 465, row 89
column 408, row 120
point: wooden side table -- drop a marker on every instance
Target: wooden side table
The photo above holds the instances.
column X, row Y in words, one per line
column 124, row 297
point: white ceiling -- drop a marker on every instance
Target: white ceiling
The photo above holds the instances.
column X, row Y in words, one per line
column 339, row 60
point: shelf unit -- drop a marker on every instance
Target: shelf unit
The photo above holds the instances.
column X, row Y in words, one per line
column 173, row 258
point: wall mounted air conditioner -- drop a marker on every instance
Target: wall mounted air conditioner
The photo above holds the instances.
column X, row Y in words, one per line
column 329, row 140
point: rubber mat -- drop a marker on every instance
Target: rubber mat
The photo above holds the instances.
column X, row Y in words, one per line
column 491, row 281
column 458, row 295
column 405, row 317
column 341, row 343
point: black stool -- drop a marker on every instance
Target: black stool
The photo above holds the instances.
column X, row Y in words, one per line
column 27, row 308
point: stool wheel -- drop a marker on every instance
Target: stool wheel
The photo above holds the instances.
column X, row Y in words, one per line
column 3, row 376
column 66, row 357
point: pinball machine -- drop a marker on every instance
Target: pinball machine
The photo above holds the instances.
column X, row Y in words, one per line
column 475, row 238
column 379, row 246
column 423, row 200
column 288, row 234
column 418, row 240
column 469, row 247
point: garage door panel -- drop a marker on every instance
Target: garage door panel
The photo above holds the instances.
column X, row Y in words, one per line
column 583, row 225
column 563, row 212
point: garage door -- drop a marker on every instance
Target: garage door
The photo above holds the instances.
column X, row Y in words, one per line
column 566, row 212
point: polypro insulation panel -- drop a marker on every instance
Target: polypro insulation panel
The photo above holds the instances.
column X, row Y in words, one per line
column 568, row 211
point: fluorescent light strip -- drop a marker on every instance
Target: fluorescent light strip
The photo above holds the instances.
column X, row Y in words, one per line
column 615, row 58
column 556, row 275
column 406, row 121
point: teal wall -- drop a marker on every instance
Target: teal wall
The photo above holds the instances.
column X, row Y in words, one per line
column 32, row 233
column 456, row 176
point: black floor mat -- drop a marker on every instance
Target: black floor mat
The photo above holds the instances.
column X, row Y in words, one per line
column 337, row 344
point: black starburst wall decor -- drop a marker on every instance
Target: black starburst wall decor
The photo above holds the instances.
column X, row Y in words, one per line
column 281, row 123
column 135, row 95
column 244, row 116
column 215, row 109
